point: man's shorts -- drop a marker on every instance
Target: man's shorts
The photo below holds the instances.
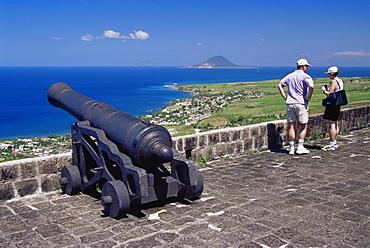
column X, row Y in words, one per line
column 297, row 112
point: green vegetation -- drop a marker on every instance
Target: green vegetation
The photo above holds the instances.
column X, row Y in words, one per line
column 267, row 105
column 203, row 160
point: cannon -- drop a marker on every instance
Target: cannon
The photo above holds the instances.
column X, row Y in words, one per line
column 128, row 161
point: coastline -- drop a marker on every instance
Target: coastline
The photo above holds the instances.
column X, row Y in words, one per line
column 133, row 90
column 174, row 87
column 206, row 96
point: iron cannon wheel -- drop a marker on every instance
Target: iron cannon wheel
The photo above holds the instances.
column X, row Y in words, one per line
column 70, row 180
column 115, row 199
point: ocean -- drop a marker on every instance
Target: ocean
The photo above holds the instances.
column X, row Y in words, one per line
column 26, row 112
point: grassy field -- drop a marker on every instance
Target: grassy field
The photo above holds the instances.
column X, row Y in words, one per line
column 272, row 105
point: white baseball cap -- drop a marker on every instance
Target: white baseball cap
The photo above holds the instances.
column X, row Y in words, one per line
column 332, row 69
column 301, row 62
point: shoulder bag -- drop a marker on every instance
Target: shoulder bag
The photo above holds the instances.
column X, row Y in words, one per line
column 337, row 98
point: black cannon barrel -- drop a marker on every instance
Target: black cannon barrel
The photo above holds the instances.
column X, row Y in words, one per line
column 145, row 143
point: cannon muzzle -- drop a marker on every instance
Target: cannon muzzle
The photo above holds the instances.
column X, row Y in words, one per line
column 145, row 143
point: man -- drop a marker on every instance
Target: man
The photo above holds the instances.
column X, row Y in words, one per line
column 300, row 89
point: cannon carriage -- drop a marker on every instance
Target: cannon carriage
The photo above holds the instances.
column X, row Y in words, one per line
column 130, row 161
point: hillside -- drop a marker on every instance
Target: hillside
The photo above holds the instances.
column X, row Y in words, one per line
column 221, row 105
column 217, row 62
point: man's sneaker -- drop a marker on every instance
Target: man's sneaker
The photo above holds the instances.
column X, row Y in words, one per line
column 302, row 150
column 291, row 151
column 336, row 146
column 328, row 148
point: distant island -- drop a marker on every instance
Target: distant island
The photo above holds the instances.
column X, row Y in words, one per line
column 218, row 62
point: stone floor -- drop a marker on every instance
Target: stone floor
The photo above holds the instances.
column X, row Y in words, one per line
column 268, row 199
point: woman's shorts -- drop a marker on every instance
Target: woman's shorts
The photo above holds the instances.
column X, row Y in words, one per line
column 297, row 112
column 332, row 113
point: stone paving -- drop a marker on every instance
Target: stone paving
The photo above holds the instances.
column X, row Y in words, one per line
column 268, row 199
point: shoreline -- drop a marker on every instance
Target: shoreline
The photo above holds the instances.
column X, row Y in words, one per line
column 174, row 86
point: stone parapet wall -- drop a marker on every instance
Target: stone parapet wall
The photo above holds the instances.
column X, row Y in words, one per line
column 29, row 176
column 240, row 140
column 224, row 142
column 32, row 175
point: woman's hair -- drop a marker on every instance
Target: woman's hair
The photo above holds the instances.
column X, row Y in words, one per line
column 335, row 73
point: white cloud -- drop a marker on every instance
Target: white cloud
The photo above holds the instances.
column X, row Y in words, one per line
column 352, row 53
column 88, row 37
column 112, row 34
column 199, row 44
column 55, row 38
column 137, row 35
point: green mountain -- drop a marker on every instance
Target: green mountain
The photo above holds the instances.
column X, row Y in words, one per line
column 217, row 62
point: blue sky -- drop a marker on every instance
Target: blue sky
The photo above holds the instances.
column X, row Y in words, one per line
column 179, row 33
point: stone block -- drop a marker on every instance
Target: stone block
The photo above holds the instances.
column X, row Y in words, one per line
column 26, row 187
column 246, row 133
column 202, row 139
column 6, row 191
column 248, row 144
column 180, row 145
column 174, row 144
column 196, row 155
column 235, row 135
column 255, row 131
column 362, row 121
column 221, row 150
column 367, row 110
column 8, row 173
column 190, row 143
column 213, row 138
column 230, row 148
column 50, row 183
column 63, row 161
column 209, row 153
column 225, row 136
column 263, row 129
column 48, row 166
column 28, row 170
column 239, row 147
column 259, row 143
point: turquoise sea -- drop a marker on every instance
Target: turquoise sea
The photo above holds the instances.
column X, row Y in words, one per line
column 26, row 112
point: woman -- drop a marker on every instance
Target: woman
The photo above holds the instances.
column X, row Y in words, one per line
column 331, row 113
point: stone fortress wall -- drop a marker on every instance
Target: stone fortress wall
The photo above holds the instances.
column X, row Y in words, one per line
column 36, row 175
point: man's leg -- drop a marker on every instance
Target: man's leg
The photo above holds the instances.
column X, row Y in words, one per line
column 303, row 126
column 301, row 136
column 291, row 130
column 291, row 136
column 302, row 131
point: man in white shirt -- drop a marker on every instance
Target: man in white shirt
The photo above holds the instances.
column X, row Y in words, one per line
column 300, row 90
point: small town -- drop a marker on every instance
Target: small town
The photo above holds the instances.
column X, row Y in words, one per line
column 34, row 147
column 200, row 106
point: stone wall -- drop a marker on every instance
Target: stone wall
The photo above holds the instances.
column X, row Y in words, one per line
column 29, row 176
column 32, row 175
column 269, row 135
